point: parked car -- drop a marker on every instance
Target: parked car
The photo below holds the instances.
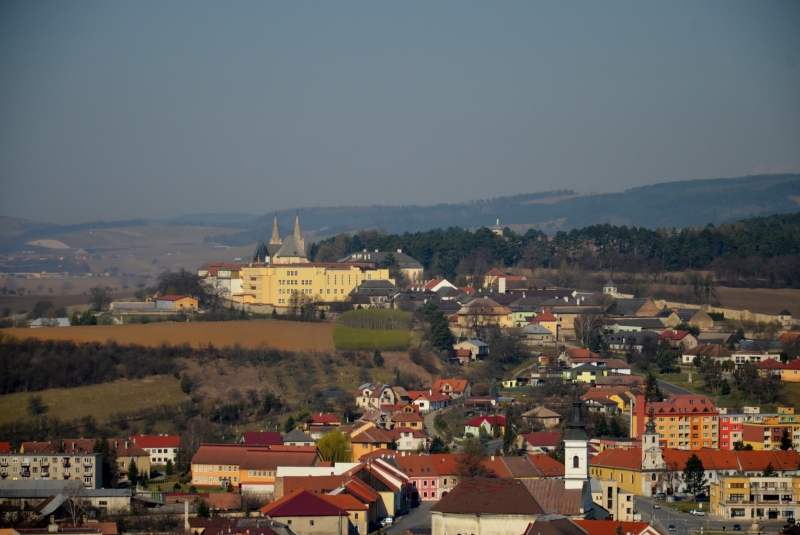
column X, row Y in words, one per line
column 656, row 506
column 697, row 512
column 388, row 521
column 661, row 496
column 672, row 527
column 737, row 527
column 790, row 520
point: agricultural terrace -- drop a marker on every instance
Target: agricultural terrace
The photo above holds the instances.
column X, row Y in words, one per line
column 371, row 329
column 285, row 335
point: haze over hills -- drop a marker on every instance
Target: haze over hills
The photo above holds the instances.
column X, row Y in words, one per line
column 673, row 204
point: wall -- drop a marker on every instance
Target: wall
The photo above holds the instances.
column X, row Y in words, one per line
column 451, row 524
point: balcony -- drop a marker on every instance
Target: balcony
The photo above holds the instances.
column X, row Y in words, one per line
column 25, row 463
column 44, row 463
column 87, row 483
column 87, row 462
column 66, row 464
column 3, row 463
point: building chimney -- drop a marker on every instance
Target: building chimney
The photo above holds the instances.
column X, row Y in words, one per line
column 186, row 525
column 127, row 444
column 400, row 251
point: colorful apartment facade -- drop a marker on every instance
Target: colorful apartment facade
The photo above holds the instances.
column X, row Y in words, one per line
column 686, row 422
column 755, row 498
column 85, row 467
column 730, row 430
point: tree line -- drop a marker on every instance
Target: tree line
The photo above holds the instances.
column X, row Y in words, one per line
column 761, row 247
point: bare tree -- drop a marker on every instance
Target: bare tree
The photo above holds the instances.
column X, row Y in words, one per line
column 670, row 477
column 75, row 505
column 586, row 323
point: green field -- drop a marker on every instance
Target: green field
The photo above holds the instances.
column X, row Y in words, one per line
column 347, row 338
column 100, row 401
column 376, row 318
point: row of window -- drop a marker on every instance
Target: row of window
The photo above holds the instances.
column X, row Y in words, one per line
column 260, row 473
column 214, row 479
column 210, row 468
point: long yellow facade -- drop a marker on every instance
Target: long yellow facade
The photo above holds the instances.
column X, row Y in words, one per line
column 283, row 285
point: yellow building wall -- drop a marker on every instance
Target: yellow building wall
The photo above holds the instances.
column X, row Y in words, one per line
column 208, row 475
column 793, row 376
column 626, row 479
column 276, row 285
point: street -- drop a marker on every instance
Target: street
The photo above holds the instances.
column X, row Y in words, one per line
column 418, row 517
column 673, row 389
column 687, row 524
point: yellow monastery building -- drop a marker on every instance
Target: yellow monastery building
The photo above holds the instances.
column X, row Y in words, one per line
column 280, row 276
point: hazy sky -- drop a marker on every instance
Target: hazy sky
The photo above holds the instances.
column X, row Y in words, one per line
column 116, row 110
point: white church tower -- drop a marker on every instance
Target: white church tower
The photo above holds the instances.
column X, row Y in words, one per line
column 652, row 461
column 576, row 449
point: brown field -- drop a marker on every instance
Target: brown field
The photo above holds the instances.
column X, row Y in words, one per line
column 761, row 300
column 288, row 335
column 73, row 303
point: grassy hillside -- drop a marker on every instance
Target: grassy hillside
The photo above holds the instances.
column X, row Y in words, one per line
column 99, row 401
column 347, row 338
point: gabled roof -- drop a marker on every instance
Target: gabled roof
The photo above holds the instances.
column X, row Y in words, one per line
column 544, row 316
column 397, row 432
column 5, row 447
column 630, row 459
column 489, row 419
column 541, row 412
column 323, row 418
column 793, row 365
column 535, row 328
column 157, row 441
column 489, row 496
column 577, row 352
column 673, row 335
column 171, row 297
column 302, row 503
column 709, row 350
column 553, row 496
column 295, row 435
column 262, row 437
column 346, row 502
column 605, row 527
column 546, row 438
column 548, row 466
column 406, row 417
column 494, row 272
column 769, row 364
column 430, row 395
column 454, row 385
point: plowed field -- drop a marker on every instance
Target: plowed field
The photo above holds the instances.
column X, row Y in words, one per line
column 288, row 335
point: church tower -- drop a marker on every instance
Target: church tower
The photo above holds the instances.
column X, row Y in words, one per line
column 652, row 461
column 276, row 236
column 298, row 234
column 576, row 449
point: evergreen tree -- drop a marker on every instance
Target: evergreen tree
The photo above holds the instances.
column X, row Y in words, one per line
column 495, row 427
column 202, row 509
column 438, row 446
column 271, row 402
column 694, row 476
column 601, row 427
column 786, row 440
column 614, row 428
column 181, row 464
column 483, row 436
column 169, row 469
column 289, row 425
column 509, row 433
column 769, row 471
column 494, row 389
column 108, row 458
column 377, row 359
column 619, row 531
column 441, row 337
column 133, row 471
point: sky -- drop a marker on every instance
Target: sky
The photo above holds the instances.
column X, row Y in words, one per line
column 151, row 109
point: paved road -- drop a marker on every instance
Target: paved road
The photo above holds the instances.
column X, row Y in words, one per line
column 687, row 524
column 674, row 389
column 427, row 420
column 418, row 517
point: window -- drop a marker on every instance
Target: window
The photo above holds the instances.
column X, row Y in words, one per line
column 576, row 462
column 355, row 516
column 310, row 522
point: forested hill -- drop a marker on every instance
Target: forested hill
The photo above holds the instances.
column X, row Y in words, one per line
column 761, row 247
column 673, row 204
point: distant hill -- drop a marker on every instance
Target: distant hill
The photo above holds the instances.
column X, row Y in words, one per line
column 683, row 204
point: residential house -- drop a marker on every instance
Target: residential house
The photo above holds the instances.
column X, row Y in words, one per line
column 722, row 339
column 548, row 320
column 542, row 417
column 409, row 266
column 304, row 512
column 482, row 312
column 323, row 419
column 409, row 439
column 601, row 405
column 576, row 355
column 224, row 279
column 460, row 357
column 791, row 371
column 454, row 388
column 406, row 419
column 366, row 437
column 374, row 294
column 177, row 303
column 785, row 318
column 373, row 395
column 50, row 322
column 682, row 340
column 618, row 502
column 162, row 448
column 625, row 340
column 388, row 481
column 478, row 350
column 634, row 307
column 535, row 335
column 714, row 351
column 770, row 367
column 486, row 423
column 584, row 373
column 326, row 485
column 544, row 442
column 428, row 400
column 295, row 437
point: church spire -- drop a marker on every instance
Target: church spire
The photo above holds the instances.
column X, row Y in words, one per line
column 276, row 235
column 298, row 234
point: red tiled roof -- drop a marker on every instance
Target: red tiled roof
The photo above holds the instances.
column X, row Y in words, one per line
column 709, row 350
column 346, row 502
column 302, row 503
column 544, row 316
column 466, row 289
column 494, row 272
column 406, row 417
column 85, row 445
column 5, row 447
column 456, row 385
column 793, row 365
column 619, row 458
column 157, row 441
column 313, row 484
column 256, row 457
column 324, row 418
column 490, row 419
column 577, row 352
column 673, row 335
column 262, row 438
column 430, row 395
column 171, row 298
column 489, row 496
column 769, row 364
column 431, row 285
column 788, row 338
column 548, row 466
column 415, row 433
column 547, row 438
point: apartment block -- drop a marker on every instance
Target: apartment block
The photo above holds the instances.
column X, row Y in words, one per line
column 751, row 498
column 23, row 467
